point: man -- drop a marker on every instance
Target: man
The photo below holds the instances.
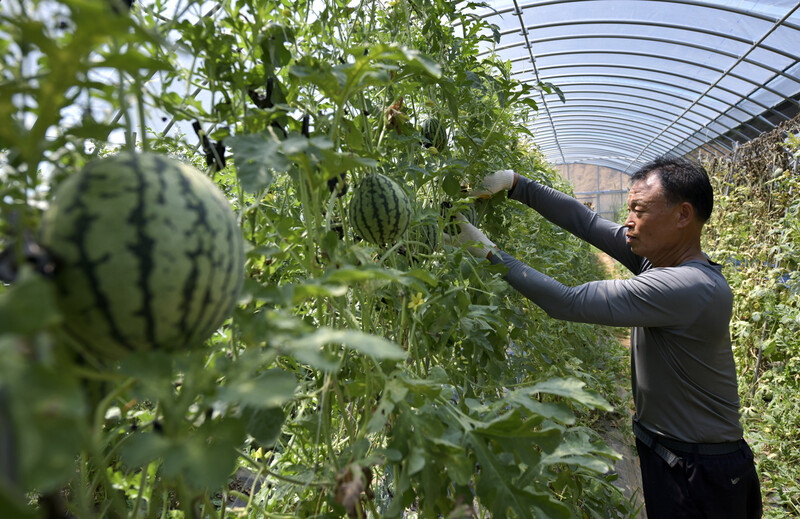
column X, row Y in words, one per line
column 693, row 459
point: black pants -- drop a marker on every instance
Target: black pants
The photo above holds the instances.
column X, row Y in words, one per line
column 721, row 486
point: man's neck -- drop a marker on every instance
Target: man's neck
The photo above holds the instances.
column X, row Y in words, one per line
column 681, row 254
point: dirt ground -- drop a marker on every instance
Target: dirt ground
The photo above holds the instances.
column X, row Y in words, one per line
column 619, row 439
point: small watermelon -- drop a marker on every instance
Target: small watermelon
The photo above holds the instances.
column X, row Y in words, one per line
column 435, row 133
column 148, row 254
column 471, row 214
column 468, row 210
column 379, row 210
column 423, row 238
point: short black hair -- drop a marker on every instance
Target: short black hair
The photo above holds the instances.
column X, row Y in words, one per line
column 683, row 181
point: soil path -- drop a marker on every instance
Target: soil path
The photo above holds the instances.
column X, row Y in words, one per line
column 617, row 433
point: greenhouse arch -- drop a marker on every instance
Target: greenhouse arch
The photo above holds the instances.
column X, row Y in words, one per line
column 333, row 258
column 719, row 74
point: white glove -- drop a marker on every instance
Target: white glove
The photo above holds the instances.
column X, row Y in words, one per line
column 494, row 183
column 477, row 243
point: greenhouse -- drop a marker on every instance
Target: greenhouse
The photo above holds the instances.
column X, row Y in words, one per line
column 399, row 259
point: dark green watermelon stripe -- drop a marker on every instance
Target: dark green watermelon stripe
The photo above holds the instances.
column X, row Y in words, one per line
column 403, row 217
column 187, row 293
column 365, row 229
column 142, row 249
column 390, row 208
column 227, row 301
column 188, row 323
column 358, row 214
column 159, row 167
column 375, row 197
column 235, row 269
column 355, row 213
column 79, row 237
column 399, row 218
column 213, row 310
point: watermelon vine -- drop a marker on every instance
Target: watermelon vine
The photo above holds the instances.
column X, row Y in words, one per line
column 358, row 372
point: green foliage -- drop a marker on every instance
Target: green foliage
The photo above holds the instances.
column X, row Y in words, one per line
column 352, row 377
column 755, row 233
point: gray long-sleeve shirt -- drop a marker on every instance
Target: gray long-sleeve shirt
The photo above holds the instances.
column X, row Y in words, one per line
column 682, row 367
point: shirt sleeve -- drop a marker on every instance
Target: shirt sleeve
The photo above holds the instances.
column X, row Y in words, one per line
column 655, row 298
column 574, row 217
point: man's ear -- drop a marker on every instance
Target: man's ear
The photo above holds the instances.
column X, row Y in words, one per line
column 685, row 214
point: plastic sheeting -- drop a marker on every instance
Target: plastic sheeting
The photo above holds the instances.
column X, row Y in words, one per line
column 644, row 78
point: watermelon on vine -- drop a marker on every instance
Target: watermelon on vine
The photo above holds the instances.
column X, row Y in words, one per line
column 148, row 254
column 467, row 210
column 379, row 210
column 423, row 235
column 435, row 133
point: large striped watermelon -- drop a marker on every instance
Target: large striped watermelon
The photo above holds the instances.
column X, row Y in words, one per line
column 379, row 210
column 148, row 252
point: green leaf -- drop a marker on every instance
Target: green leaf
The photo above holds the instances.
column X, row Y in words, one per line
column 350, row 275
column 320, row 74
column 49, row 412
column 423, row 275
column 577, row 449
column 90, row 129
column 460, row 468
column 273, row 294
column 295, row 144
column 311, row 290
column 530, row 102
column 413, row 59
column 380, row 415
column 29, row 306
column 270, row 389
column 143, row 447
column 507, row 425
column 206, row 458
column 415, row 460
column 133, row 61
column 275, row 53
column 256, row 157
column 14, row 506
column 337, row 162
column 452, row 185
column 540, row 410
column 371, row 345
column 496, row 487
column 264, row 425
column 151, row 367
column 572, row 388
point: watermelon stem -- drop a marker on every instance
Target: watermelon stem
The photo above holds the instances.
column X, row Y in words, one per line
column 140, row 107
column 140, row 494
column 389, row 252
column 102, row 407
column 289, row 249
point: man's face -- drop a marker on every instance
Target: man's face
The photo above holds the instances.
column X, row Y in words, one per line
column 652, row 222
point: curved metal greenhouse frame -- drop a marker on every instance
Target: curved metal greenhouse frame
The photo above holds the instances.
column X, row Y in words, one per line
column 644, row 78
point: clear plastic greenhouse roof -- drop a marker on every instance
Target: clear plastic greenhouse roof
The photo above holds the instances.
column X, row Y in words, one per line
column 643, row 78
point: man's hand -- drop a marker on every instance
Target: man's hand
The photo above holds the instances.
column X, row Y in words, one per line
column 477, row 243
column 494, row 183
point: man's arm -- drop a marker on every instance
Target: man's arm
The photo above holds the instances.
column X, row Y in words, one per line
column 660, row 297
column 571, row 215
